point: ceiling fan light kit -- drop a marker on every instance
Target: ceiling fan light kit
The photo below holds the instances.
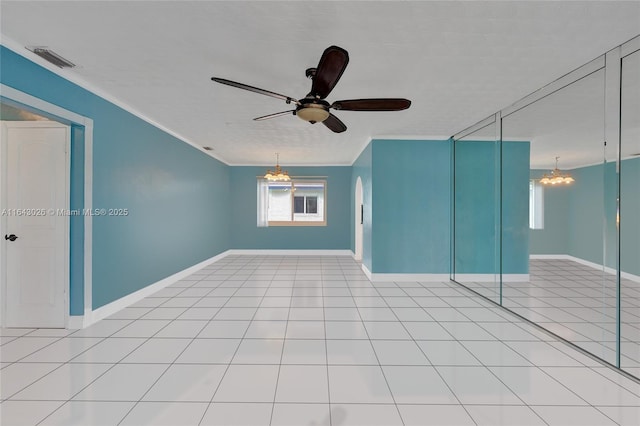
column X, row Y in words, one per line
column 313, row 107
column 313, row 112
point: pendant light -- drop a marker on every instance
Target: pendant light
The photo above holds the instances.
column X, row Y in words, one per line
column 278, row 175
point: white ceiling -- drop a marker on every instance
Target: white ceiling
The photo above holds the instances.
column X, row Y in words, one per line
column 457, row 61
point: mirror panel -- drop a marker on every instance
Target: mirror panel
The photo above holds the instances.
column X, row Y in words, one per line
column 477, row 211
column 546, row 207
column 566, row 288
column 630, row 215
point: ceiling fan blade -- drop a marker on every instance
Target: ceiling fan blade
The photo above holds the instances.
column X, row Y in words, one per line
column 332, row 64
column 334, row 124
column 274, row 115
column 287, row 99
column 380, row 104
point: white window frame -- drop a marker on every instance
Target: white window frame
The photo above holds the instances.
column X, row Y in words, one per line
column 305, row 205
column 263, row 205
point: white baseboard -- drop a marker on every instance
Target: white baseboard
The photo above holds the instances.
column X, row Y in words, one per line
column 487, row 278
column 378, row 277
column 549, row 257
column 382, row 277
column 625, row 275
column 91, row 317
column 412, row 277
column 367, row 272
column 300, row 252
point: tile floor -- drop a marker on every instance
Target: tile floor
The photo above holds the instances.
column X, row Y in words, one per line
column 277, row 340
column 578, row 303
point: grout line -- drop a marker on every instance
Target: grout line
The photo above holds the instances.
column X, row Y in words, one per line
column 376, row 355
column 422, row 351
column 326, row 348
column 237, row 347
column 172, row 363
column 284, row 344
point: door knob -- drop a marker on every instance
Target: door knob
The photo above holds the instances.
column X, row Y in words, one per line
column 11, row 237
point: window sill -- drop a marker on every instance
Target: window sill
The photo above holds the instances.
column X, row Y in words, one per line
column 288, row 223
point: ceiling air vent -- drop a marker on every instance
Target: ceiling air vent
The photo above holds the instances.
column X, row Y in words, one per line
column 51, row 56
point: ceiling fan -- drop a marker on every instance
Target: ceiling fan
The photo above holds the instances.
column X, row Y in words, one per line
column 313, row 107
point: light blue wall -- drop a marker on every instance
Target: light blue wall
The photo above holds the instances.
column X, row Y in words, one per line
column 411, row 206
column 586, row 206
column 630, row 216
column 76, row 223
column 247, row 235
column 362, row 168
column 177, row 196
column 515, row 207
column 477, row 207
column 577, row 223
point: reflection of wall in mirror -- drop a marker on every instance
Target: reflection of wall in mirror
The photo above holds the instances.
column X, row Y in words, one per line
column 574, row 216
column 478, row 192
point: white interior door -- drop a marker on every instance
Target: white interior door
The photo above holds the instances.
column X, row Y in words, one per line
column 36, row 229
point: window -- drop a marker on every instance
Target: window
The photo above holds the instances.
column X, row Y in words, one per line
column 295, row 203
column 536, row 205
column 298, row 204
column 305, row 204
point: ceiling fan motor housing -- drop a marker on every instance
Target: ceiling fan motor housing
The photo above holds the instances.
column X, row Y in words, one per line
column 310, row 72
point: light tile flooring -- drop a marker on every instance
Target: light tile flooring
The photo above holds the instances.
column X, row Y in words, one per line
column 306, row 340
column 578, row 303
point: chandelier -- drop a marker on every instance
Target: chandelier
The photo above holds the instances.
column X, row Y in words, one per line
column 278, row 175
column 556, row 177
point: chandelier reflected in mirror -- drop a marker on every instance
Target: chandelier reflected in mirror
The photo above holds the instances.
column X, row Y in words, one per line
column 556, row 177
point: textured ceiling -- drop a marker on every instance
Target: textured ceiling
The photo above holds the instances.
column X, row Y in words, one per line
column 457, row 61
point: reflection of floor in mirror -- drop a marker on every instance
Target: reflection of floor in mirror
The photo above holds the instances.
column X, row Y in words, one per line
column 578, row 303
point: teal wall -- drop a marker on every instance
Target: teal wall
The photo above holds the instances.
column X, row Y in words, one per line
column 177, row 196
column 362, row 168
column 630, row 216
column 578, row 224
column 411, row 206
column 478, row 219
column 586, row 206
column 247, row 235
column 477, row 204
column 515, row 207
column 76, row 223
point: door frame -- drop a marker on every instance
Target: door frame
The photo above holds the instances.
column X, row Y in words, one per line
column 6, row 126
column 359, row 220
column 66, row 117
